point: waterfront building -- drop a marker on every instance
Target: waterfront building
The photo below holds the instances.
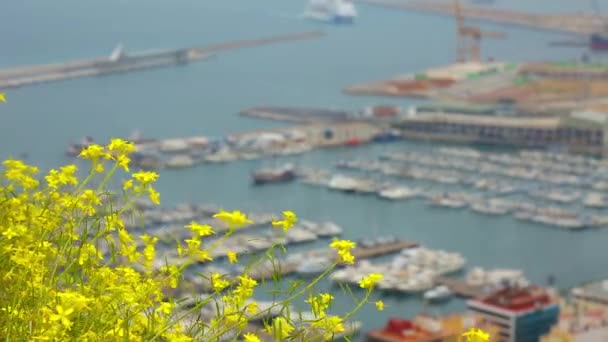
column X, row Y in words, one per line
column 523, row 314
column 578, row 132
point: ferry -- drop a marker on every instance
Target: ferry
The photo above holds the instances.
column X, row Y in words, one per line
column 333, row 11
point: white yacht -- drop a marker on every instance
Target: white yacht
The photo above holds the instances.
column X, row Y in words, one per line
column 438, row 293
column 333, row 11
column 398, row 193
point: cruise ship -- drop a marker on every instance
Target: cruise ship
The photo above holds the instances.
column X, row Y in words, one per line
column 334, row 11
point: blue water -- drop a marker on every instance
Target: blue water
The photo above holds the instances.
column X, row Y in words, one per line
column 204, row 99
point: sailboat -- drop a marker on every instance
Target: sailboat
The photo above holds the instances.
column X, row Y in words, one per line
column 334, row 11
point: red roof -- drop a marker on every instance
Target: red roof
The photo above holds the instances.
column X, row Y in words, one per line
column 518, row 299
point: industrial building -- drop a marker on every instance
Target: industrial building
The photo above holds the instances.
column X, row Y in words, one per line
column 523, row 314
column 578, row 132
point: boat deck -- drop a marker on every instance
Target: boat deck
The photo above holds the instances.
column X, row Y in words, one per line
column 459, row 287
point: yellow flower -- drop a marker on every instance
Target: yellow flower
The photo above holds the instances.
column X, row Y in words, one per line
column 249, row 337
column 121, row 147
column 62, row 315
column 63, row 177
column 330, row 325
column 123, row 161
column 343, row 247
column 93, row 153
column 154, row 195
column 379, row 305
column 165, row 308
column 371, row 280
column 127, row 184
column 173, row 273
column 476, row 335
column 280, row 329
column 218, row 283
column 145, row 177
column 232, row 257
column 252, row 308
column 320, row 303
column 288, row 221
column 235, row 219
column 200, row 229
column 3, row 97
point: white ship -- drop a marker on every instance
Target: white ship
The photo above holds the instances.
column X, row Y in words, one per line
column 335, row 11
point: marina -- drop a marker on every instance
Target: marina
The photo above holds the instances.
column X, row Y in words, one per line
column 179, row 153
column 488, row 184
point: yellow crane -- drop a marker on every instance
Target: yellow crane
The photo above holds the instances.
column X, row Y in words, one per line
column 469, row 37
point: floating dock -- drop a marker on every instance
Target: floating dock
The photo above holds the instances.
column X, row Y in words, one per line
column 287, row 268
column 567, row 23
column 119, row 62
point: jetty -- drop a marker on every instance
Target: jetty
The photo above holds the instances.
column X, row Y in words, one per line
column 579, row 24
column 120, row 62
column 287, row 268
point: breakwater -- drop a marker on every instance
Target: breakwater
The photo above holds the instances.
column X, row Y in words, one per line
column 119, row 62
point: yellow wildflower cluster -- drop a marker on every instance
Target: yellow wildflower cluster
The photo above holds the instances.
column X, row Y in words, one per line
column 476, row 335
column 70, row 269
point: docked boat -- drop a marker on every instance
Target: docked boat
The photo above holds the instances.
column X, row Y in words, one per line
column 332, row 11
column 595, row 200
column 398, row 193
column 347, row 184
column 285, row 173
column 449, row 201
column 313, row 265
column 491, row 207
column 437, row 294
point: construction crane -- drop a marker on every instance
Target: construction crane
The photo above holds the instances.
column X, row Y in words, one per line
column 469, row 37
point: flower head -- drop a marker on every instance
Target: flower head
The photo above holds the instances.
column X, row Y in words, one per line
column 200, row 229
column 288, row 221
column 476, row 335
column 343, row 247
column 232, row 257
column 379, row 305
column 235, row 219
column 371, row 280
column 249, row 337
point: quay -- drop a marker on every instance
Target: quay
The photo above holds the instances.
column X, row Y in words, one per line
column 460, row 287
column 566, row 23
column 120, row 62
column 288, row 268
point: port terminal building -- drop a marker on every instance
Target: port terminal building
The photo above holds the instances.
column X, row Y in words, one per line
column 578, row 132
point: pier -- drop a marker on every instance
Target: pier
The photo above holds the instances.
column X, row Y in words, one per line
column 287, row 268
column 119, row 62
column 460, row 287
column 566, row 23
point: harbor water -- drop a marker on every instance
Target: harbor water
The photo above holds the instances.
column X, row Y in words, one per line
column 205, row 98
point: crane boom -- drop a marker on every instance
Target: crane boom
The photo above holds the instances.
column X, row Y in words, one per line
column 469, row 37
